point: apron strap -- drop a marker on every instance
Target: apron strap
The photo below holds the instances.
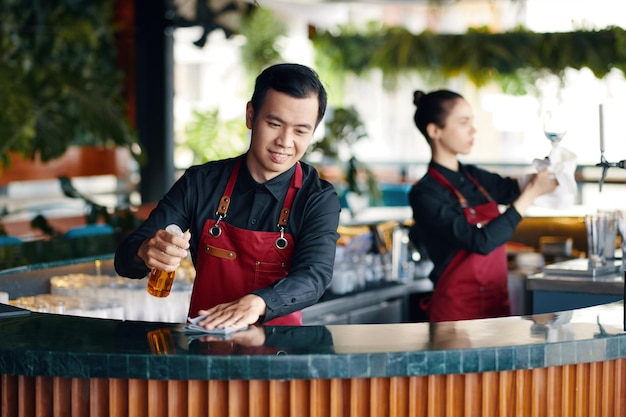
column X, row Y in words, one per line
column 296, row 183
column 438, row 176
column 222, row 209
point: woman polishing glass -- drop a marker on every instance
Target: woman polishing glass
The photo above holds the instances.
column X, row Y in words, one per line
column 457, row 217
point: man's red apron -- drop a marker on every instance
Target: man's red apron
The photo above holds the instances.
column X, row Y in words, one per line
column 473, row 285
column 232, row 262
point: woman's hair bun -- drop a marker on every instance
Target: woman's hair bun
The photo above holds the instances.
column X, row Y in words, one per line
column 417, row 97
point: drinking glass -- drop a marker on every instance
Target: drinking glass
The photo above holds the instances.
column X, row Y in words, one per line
column 601, row 237
column 621, row 229
column 555, row 124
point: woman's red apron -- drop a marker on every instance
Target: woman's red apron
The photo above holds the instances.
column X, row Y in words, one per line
column 472, row 286
column 233, row 262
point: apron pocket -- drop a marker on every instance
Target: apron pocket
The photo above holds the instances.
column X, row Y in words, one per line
column 266, row 273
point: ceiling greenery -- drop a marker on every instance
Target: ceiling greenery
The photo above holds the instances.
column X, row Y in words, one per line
column 478, row 54
column 60, row 83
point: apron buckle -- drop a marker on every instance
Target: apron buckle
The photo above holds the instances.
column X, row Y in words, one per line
column 215, row 230
column 281, row 242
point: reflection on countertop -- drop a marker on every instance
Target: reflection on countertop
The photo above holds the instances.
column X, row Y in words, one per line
column 56, row 345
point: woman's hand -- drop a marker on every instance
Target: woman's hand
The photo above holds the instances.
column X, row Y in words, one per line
column 541, row 183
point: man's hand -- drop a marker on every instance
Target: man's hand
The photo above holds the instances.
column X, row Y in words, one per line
column 164, row 251
column 239, row 313
column 253, row 336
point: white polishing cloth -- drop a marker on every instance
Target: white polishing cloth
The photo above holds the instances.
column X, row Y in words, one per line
column 562, row 163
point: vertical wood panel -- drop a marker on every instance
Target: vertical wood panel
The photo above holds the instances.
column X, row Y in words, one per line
column 238, row 398
column 582, row 391
column 80, row 394
column 320, row 398
column 259, row 398
column 43, row 394
column 490, row 393
column 336, row 398
column 118, row 397
column 200, row 400
column 569, row 390
column 523, row 393
column 177, row 398
column 157, row 399
column 607, row 400
column 539, row 392
column 26, row 396
column 436, row 395
column 137, row 398
column 595, row 389
column 554, row 396
column 279, row 398
column 473, row 395
column 418, row 395
column 398, row 397
column 506, row 394
column 619, row 384
column 9, row 395
column 299, row 398
column 379, row 397
column 99, row 397
column 339, row 403
column 61, row 397
column 455, row 396
column 215, row 396
column 359, row 397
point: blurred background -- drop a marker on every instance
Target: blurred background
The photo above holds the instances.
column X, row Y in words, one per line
column 156, row 86
column 508, row 106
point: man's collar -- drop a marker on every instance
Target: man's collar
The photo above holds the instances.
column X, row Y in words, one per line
column 276, row 186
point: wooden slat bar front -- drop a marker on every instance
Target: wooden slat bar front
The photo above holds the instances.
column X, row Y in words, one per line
column 589, row 389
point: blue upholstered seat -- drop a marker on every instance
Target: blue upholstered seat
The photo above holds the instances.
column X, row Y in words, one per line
column 90, row 230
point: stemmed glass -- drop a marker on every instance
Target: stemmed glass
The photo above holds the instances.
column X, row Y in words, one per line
column 554, row 125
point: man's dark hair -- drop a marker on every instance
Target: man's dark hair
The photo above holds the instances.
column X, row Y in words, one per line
column 296, row 80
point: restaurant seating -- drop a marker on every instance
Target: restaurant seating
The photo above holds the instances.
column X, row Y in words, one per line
column 10, row 240
column 89, row 230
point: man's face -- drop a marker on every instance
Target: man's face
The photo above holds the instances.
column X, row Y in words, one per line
column 281, row 132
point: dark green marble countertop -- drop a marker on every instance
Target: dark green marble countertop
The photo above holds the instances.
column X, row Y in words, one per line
column 67, row 346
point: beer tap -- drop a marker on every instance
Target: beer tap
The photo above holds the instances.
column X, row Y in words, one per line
column 606, row 165
column 603, row 162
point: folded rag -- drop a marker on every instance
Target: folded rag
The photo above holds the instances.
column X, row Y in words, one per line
column 562, row 163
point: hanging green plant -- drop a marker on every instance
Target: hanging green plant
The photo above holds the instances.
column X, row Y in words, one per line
column 262, row 31
column 480, row 55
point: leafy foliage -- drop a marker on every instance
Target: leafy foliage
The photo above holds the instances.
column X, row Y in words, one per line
column 343, row 130
column 482, row 56
column 59, row 83
column 210, row 138
column 262, row 31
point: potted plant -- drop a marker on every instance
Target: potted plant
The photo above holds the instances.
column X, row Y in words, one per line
column 344, row 129
column 60, row 84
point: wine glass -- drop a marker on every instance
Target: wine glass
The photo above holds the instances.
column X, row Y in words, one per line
column 554, row 125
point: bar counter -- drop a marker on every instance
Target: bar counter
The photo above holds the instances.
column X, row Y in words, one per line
column 563, row 364
column 567, row 285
